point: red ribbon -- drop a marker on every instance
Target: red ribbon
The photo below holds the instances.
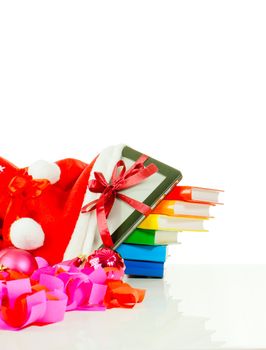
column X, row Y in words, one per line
column 22, row 187
column 25, row 186
column 121, row 294
column 120, row 180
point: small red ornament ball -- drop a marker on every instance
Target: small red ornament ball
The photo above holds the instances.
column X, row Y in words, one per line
column 18, row 260
column 105, row 257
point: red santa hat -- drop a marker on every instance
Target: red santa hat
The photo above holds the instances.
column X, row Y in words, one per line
column 40, row 206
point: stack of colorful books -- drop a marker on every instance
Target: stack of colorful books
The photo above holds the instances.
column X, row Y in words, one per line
column 184, row 208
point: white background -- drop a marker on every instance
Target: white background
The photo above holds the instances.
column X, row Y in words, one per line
column 184, row 82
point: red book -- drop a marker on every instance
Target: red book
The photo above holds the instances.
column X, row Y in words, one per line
column 194, row 194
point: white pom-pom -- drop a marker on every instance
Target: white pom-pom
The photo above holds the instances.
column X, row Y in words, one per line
column 26, row 233
column 45, row 170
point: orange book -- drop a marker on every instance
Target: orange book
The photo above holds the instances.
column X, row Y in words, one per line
column 194, row 194
column 182, row 208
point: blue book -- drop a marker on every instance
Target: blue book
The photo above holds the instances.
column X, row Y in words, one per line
column 143, row 252
column 144, row 268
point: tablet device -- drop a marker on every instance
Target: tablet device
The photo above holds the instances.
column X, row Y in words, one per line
column 123, row 219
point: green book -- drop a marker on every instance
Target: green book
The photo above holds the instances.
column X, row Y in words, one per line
column 151, row 237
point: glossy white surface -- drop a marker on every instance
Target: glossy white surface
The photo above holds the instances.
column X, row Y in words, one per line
column 194, row 307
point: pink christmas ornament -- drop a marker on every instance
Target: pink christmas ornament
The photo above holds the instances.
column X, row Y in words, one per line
column 18, row 260
column 5, row 250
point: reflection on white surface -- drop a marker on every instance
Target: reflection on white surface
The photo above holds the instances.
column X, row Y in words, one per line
column 232, row 297
column 194, row 307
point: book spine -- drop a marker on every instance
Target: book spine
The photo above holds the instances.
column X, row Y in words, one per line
column 142, row 252
column 173, row 224
column 150, row 222
column 165, row 207
column 183, row 193
column 144, row 268
column 152, row 237
column 139, row 236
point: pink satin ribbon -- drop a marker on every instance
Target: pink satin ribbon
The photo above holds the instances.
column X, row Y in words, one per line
column 23, row 307
column 48, row 294
column 121, row 179
column 52, row 290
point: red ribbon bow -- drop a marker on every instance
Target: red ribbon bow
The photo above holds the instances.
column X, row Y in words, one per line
column 21, row 188
column 120, row 180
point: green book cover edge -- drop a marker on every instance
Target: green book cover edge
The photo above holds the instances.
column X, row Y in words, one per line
column 141, row 236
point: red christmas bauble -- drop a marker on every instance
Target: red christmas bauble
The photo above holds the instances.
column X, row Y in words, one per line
column 105, row 257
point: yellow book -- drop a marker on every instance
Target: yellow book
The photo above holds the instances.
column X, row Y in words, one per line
column 172, row 223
